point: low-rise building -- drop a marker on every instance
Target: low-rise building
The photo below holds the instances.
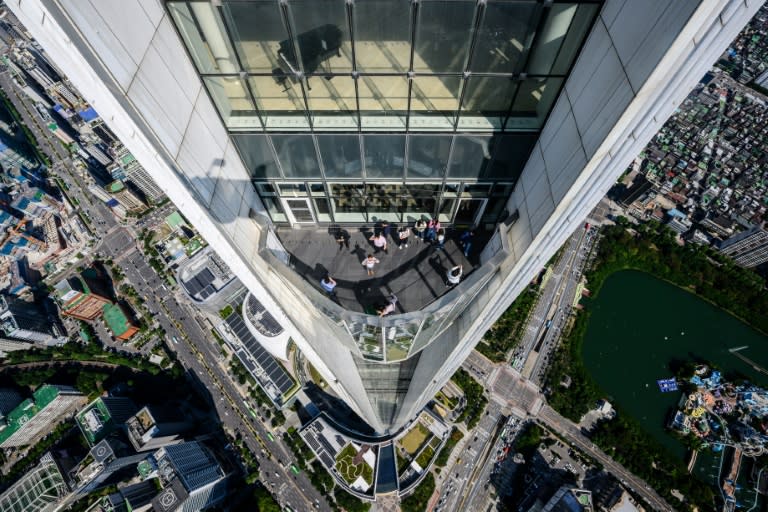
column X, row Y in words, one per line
column 78, row 301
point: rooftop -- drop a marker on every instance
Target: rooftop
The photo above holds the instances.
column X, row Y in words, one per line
column 93, row 419
column 116, row 320
column 27, row 409
column 174, row 220
column 115, row 186
column 415, row 274
column 204, row 275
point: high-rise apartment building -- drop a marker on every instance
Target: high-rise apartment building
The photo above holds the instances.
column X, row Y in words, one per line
column 513, row 117
column 155, row 426
column 32, row 417
column 26, row 321
column 135, row 172
column 191, row 477
column 748, row 248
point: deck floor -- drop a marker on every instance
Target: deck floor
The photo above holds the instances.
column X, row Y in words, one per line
column 415, row 274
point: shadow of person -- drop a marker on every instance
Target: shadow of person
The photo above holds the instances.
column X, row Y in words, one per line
column 319, row 271
column 359, row 252
column 436, row 262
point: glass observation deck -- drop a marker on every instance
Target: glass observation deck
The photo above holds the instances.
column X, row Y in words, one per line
column 416, row 274
column 298, row 259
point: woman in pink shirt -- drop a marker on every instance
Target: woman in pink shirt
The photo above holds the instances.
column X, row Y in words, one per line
column 380, row 242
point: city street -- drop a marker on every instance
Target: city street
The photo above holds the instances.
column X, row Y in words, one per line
column 195, row 349
column 572, row 433
column 466, row 458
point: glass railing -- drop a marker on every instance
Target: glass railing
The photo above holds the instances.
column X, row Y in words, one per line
column 382, row 339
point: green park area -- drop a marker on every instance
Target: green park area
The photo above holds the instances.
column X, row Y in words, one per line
column 449, row 402
column 349, row 471
column 415, row 437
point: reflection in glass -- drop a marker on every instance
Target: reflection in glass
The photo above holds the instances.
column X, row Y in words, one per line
column 267, row 189
column 470, row 155
column 347, row 190
column 323, row 209
column 321, row 37
column 502, row 38
column 257, row 156
column 442, row 35
column 419, row 202
column 476, row 190
column 580, row 25
column 510, row 154
column 434, row 101
column 292, row 189
column 550, row 38
column 275, row 209
column 383, row 102
column 257, row 29
column 428, row 156
column 382, row 47
column 341, row 155
column 316, row 189
column 451, row 189
column 384, row 155
column 300, row 209
column 279, row 106
column 399, row 339
column 468, row 211
column 332, row 102
column 203, row 32
column 445, row 214
column 348, row 203
column 383, row 203
column 486, row 102
column 493, row 209
column 232, row 101
column 297, row 156
column 534, row 100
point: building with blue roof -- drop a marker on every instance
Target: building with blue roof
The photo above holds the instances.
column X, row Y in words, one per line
column 88, row 114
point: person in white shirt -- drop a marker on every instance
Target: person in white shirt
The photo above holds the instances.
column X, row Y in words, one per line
column 453, row 276
column 403, row 234
column 369, row 263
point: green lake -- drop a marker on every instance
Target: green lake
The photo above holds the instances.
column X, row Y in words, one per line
column 639, row 324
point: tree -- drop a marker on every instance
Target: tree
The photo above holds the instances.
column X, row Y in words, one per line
column 349, row 502
column 264, row 500
column 418, row 500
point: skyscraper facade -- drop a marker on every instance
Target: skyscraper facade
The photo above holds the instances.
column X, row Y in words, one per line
column 511, row 116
